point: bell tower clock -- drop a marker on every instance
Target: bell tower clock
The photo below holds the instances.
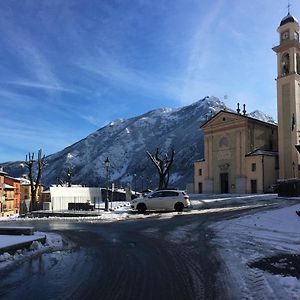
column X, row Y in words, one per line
column 288, row 97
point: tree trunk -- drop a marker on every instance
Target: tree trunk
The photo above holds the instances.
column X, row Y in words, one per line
column 163, row 165
column 34, row 184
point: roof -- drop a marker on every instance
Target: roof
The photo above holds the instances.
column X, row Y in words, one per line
column 2, row 172
column 239, row 115
column 262, row 152
column 288, row 19
column 13, row 178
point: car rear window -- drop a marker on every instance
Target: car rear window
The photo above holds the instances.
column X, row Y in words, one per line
column 170, row 194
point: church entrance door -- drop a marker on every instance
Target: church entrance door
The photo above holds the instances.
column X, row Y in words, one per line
column 224, row 183
column 253, row 186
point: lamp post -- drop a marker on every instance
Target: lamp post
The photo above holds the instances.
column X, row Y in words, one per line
column 134, row 175
column 142, row 177
column 107, row 165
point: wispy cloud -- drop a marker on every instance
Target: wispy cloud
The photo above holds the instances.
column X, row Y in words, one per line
column 37, row 85
column 39, row 71
column 108, row 67
column 200, row 55
column 91, row 119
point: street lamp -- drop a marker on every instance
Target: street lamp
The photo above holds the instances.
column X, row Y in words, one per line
column 107, row 165
column 142, row 177
column 134, row 175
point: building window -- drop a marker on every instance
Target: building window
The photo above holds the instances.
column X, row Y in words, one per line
column 253, row 167
column 200, row 172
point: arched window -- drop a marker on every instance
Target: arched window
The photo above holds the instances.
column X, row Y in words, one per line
column 298, row 63
column 285, row 63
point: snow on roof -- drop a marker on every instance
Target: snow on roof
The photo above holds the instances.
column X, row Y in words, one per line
column 13, row 178
column 7, row 186
column 23, row 181
column 262, row 152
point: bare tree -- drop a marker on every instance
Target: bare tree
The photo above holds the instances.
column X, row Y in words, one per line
column 163, row 165
column 30, row 163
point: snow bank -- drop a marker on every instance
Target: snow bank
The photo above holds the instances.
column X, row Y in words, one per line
column 53, row 243
column 251, row 238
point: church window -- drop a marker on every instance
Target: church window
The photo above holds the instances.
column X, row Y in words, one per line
column 285, row 63
column 200, row 172
column 253, row 167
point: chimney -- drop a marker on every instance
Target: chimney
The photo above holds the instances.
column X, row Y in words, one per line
column 238, row 108
column 244, row 110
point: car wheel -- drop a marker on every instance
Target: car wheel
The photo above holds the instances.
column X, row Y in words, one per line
column 179, row 206
column 141, row 208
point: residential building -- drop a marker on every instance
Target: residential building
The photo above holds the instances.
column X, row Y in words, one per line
column 2, row 197
column 9, row 194
column 15, row 183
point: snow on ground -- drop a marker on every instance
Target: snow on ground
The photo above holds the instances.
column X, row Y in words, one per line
column 252, row 246
column 53, row 243
column 9, row 240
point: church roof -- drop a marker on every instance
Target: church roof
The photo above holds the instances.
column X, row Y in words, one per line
column 239, row 115
column 288, row 19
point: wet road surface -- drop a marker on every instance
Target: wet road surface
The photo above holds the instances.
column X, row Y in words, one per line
column 168, row 258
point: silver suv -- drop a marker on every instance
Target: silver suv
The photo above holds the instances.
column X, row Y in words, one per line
column 162, row 200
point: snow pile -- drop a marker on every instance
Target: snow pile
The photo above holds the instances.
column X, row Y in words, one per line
column 53, row 243
column 248, row 243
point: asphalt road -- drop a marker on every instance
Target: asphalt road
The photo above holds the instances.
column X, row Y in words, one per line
column 155, row 258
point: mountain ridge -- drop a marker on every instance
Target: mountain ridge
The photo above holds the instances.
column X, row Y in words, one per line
column 125, row 142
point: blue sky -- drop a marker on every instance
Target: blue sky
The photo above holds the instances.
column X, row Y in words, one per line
column 68, row 67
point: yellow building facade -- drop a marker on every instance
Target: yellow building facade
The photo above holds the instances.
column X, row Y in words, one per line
column 240, row 155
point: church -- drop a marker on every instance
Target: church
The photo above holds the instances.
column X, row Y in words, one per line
column 246, row 155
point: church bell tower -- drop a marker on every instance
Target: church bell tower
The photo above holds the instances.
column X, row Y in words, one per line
column 288, row 97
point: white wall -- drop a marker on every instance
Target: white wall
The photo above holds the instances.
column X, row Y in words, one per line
column 61, row 196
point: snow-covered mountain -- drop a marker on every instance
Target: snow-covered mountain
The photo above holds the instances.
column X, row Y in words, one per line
column 125, row 142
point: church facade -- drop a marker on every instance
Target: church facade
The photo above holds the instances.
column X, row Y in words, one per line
column 240, row 155
column 246, row 155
